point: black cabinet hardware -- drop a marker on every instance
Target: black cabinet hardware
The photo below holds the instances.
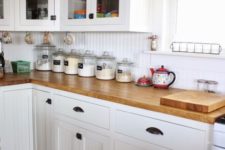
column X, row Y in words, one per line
column 53, row 17
column 79, row 136
column 154, row 131
column 78, row 109
column 91, row 16
column 49, row 101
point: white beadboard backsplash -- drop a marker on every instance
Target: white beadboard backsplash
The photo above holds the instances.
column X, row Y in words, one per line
column 131, row 46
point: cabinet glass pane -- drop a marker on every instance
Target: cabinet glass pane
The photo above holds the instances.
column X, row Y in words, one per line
column 37, row 9
column 107, row 8
column 77, row 9
column 1, row 10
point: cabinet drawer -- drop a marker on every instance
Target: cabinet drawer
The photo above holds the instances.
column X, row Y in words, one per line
column 83, row 111
column 158, row 132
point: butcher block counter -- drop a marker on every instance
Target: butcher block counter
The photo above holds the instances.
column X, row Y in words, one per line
column 123, row 93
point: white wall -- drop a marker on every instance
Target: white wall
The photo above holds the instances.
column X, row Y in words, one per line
column 129, row 45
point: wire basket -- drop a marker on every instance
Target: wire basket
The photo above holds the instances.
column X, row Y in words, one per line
column 199, row 48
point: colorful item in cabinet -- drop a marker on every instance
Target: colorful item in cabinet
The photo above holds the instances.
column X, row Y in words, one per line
column 80, row 14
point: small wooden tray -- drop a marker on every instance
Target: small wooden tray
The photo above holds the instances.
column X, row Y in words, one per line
column 194, row 100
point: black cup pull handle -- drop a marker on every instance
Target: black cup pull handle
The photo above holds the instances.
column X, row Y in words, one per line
column 78, row 109
column 91, row 16
column 79, row 136
column 154, row 131
column 49, row 101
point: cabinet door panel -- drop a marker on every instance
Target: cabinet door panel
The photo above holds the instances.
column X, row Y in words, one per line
column 66, row 137
column 42, row 118
column 32, row 14
column 128, row 146
column 6, row 14
column 18, row 133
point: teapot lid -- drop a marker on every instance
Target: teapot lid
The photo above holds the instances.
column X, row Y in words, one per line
column 162, row 69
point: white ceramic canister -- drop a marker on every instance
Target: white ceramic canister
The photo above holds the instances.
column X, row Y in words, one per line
column 71, row 62
column 105, row 69
column 86, row 68
column 58, row 61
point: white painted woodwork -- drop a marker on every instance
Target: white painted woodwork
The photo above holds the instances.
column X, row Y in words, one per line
column 7, row 23
column 42, row 121
column 65, row 105
column 24, row 24
column 136, row 125
column 17, row 118
column 133, row 16
column 66, row 138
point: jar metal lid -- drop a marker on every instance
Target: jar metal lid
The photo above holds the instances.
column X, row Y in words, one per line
column 125, row 62
column 106, row 56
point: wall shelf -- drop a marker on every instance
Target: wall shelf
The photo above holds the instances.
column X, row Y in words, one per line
column 170, row 53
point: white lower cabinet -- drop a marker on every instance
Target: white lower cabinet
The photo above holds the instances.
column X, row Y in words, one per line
column 71, row 137
column 17, row 130
column 42, row 120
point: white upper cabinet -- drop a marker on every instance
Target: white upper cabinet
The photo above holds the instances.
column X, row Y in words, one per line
column 6, row 15
column 106, row 15
column 35, row 15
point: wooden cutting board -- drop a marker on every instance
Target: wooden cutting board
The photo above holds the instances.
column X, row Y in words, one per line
column 195, row 101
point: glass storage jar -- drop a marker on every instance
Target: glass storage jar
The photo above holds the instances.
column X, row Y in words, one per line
column 58, row 61
column 86, row 68
column 105, row 69
column 124, row 71
column 44, row 57
column 71, row 62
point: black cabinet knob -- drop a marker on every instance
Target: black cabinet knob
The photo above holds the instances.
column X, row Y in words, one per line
column 79, row 136
column 53, row 17
column 49, row 101
column 78, row 109
column 155, row 131
column 91, row 16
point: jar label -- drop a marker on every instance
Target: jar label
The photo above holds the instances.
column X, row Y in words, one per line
column 80, row 66
column 44, row 56
column 66, row 63
column 119, row 71
column 99, row 68
column 56, row 62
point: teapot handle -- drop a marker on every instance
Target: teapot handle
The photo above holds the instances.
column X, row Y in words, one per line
column 174, row 78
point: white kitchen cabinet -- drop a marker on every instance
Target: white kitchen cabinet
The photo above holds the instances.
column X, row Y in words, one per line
column 17, row 118
column 36, row 15
column 70, row 137
column 6, row 15
column 42, row 120
column 106, row 15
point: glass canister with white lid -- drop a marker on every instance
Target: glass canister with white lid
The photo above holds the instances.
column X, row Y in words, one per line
column 124, row 72
column 44, row 57
column 106, row 67
column 58, row 61
column 71, row 62
column 86, row 68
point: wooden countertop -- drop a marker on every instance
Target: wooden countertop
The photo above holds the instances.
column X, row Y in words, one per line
column 123, row 93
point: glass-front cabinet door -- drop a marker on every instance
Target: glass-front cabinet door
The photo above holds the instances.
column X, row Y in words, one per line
column 36, row 13
column 6, row 14
column 92, row 12
column 109, row 11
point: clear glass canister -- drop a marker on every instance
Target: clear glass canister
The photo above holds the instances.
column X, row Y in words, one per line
column 86, row 68
column 105, row 69
column 58, row 61
column 71, row 62
column 124, row 71
column 44, row 57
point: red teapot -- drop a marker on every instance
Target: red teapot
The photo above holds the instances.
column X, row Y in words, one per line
column 162, row 78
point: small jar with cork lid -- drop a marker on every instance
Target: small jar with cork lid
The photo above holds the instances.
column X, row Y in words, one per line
column 124, row 72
